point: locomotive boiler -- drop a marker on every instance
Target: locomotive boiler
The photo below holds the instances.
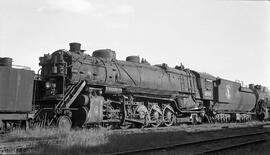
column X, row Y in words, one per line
column 76, row 89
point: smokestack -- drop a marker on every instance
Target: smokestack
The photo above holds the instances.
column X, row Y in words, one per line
column 75, row 47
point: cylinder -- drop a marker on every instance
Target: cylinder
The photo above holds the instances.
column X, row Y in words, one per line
column 6, row 62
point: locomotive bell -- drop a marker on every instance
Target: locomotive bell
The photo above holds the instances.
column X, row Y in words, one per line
column 75, row 47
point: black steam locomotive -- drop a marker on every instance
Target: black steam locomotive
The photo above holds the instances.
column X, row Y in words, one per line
column 76, row 89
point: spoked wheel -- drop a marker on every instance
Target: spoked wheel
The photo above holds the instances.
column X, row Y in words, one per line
column 168, row 116
column 64, row 122
column 155, row 116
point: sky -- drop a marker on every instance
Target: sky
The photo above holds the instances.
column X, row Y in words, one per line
column 228, row 39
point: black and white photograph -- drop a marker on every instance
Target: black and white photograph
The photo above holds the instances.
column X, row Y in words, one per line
column 118, row 77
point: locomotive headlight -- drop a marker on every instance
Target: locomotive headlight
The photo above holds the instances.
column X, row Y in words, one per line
column 48, row 85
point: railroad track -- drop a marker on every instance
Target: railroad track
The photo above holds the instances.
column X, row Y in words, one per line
column 203, row 146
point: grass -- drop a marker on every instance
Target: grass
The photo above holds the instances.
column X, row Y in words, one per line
column 78, row 142
column 75, row 141
column 48, row 133
column 36, row 134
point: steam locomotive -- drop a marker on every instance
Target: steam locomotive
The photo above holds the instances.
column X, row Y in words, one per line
column 74, row 89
